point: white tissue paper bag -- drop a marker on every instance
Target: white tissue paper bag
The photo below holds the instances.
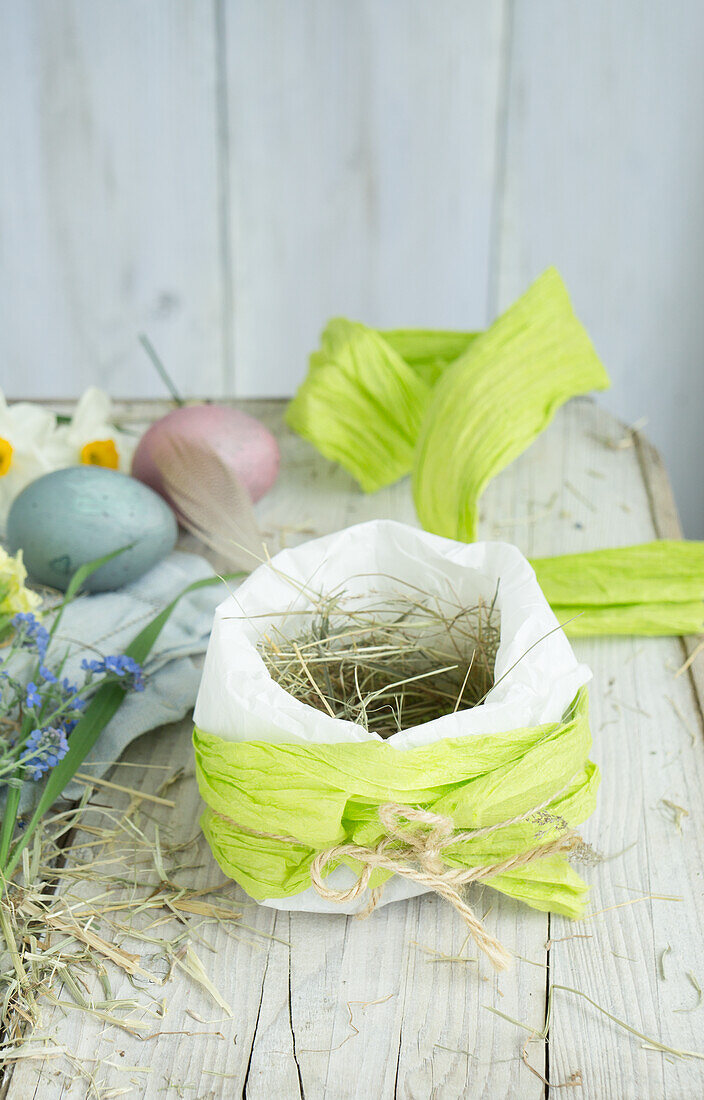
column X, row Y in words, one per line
column 536, row 674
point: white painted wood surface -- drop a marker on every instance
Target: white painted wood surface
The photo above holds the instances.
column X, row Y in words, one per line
column 228, row 174
column 424, row 1028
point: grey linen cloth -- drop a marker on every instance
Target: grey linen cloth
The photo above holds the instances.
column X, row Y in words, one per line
column 104, row 624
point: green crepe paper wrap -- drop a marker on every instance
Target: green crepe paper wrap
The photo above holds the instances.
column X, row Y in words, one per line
column 268, row 763
column 428, row 351
column 493, row 402
column 492, row 394
column 325, row 794
column 361, row 404
column 655, row 588
column 365, row 395
column 456, row 406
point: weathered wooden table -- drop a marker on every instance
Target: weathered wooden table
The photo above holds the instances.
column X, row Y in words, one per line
column 335, row 1007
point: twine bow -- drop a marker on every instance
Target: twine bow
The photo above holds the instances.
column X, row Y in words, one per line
column 412, row 847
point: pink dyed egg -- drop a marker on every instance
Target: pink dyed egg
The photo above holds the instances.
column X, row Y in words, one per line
column 242, row 442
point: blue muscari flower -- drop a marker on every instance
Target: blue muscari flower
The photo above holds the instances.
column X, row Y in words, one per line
column 33, row 630
column 118, row 665
column 34, row 699
column 25, row 618
column 133, row 670
column 43, row 749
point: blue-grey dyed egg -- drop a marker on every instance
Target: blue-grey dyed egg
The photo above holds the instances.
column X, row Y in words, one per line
column 70, row 517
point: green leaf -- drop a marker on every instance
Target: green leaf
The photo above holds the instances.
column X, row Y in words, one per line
column 14, row 787
column 80, row 577
column 102, row 707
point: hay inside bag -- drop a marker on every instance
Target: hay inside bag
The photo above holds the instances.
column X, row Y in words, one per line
column 311, row 811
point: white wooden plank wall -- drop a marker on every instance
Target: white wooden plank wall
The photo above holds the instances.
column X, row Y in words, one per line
column 603, row 176
column 227, row 174
column 108, row 195
column 362, row 183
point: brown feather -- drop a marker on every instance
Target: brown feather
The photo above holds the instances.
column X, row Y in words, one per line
column 210, row 500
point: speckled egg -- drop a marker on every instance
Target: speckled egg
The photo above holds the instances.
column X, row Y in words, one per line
column 73, row 516
column 241, row 441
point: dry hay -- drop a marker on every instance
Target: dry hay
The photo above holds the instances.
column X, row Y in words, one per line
column 386, row 662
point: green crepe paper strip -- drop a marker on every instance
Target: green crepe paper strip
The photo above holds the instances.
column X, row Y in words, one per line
column 654, row 588
column 665, row 571
column 656, row 620
column 428, row 351
column 325, row 794
column 495, row 399
column 361, row 404
column 367, row 394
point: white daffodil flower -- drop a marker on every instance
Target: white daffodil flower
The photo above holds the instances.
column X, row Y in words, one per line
column 30, row 446
column 91, row 438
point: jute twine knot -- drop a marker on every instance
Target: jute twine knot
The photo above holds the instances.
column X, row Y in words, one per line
column 412, row 847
